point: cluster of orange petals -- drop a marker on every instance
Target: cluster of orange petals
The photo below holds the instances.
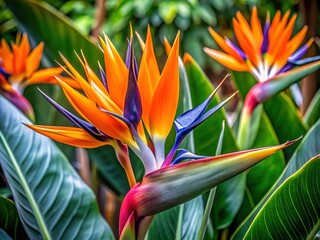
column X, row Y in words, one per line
column 159, row 95
column 21, row 64
column 251, row 56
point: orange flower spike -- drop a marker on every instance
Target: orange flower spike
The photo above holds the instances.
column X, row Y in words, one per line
column 266, row 52
column 256, row 27
column 103, row 121
column 5, row 53
column 20, row 53
column 165, row 101
column 226, row 60
column 284, row 38
column 244, row 43
column 295, row 42
column 275, row 32
column 146, row 91
column 33, row 60
column 73, row 136
column 151, row 60
column 116, row 71
column 224, row 46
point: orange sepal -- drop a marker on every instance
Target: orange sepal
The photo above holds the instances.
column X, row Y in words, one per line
column 116, row 72
column 222, row 44
column 226, row 60
column 73, row 136
column 88, row 109
column 5, row 53
column 256, row 27
column 20, row 54
column 245, row 43
column 43, row 76
column 151, row 60
column 295, row 42
column 165, row 98
column 33, row 60
column 146, row 92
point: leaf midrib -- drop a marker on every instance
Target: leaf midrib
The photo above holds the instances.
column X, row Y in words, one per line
column 37, row 214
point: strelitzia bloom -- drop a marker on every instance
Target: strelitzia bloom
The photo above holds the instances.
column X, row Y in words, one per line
column 19, row 69
column 136, row 108
column 269, row 53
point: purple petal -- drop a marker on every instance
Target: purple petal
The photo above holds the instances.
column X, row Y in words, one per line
column 265, row 41
column 235, row 48
column 132, row 107
column 89, row 128
column 4, row 73
column 104, row 78
column 185, row 154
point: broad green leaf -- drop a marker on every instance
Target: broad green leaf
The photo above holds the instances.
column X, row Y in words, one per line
column 284, row 116
column 4, row 235
column 313, row 112
column 261, row 177
column 308, row 148
column 206, row 139
column 44, row 23
column 181, row 222
column 5, row 192
column 9, row 219
column 51, row 199
column 207, row 134
column 285, row 119
column 293, row 210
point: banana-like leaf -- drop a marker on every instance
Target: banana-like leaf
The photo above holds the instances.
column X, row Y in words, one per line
column 308, row 148
column 9, row 219
column 45, row 23
column 181, row 222
column 51, row 199
column 313, row 112
column 293, row 210
column 206, row 140
column 4, row 235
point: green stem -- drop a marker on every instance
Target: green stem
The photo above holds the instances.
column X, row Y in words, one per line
column 206, row 215
column 33, row 204
column 180, row 221
column 314, row 231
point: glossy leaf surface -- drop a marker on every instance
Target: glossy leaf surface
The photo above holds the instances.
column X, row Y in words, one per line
column 51, row 199
column 293, row 210
column 308, row 148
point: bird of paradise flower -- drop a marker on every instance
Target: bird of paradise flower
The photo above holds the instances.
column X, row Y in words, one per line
column 136, row 108
column 270, row 54
column 19, row 69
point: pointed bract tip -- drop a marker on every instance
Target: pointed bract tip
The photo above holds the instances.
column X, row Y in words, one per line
column 288, row 143
column 187, row 58
column 268, row 17
column 167, row 45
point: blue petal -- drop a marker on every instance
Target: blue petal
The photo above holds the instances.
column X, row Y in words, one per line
column 304, row 61
column 184, row 155
column 265, row 40
column 132, row 106
column 234, row 47
column 104, row 78
column 189, row 120
column 4, row 73
column 89, row 128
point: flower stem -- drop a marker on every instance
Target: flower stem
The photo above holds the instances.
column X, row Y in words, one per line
column 123, row 157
